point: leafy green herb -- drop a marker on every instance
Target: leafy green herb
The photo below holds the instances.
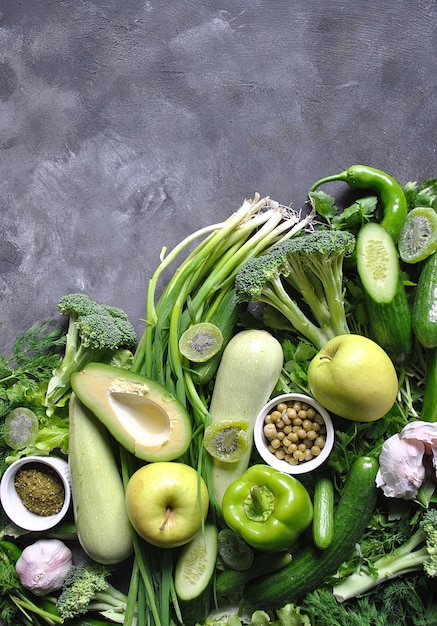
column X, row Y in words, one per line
column 427, row 193
column 24, row 376
column 351, row 218
column 297, row 356
column 324, row 205
column 421, row 195
column 406, row 601
column 34, row 356
column 357, row 214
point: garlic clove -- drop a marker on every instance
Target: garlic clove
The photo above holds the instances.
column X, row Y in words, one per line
column 43, row 566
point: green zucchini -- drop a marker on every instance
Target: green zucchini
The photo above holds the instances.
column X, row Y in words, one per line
column 390, row 324
column 425, row 304
column 194, row 575
column 102, row 524
column 323, row 512
column 310, row 566
column 248, row 372
column 230, row 581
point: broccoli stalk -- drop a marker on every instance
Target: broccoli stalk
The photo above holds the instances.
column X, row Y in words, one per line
column 87, row 588
column 310, row 265
column 96, row 332
column 419, row 553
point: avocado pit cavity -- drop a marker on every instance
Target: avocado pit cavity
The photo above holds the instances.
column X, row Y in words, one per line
column 148, row 421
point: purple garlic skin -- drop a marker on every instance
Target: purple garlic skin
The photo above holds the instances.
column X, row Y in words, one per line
column 43, row 566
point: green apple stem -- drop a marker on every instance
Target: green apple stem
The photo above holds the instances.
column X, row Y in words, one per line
column 168, row 511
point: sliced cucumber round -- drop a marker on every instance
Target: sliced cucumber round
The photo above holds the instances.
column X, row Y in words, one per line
column 201, row 342
column 418, row 236
column 196, row 563
column 377, row 262
column 194, row 574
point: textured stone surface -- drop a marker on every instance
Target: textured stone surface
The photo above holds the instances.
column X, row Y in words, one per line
column 126, row 125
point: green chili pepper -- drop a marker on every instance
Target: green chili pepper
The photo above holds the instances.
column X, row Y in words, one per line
column 267, row 508
column 12, row 551
column 390, row 193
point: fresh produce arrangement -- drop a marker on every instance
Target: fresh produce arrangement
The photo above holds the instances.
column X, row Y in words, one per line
column 176, row 519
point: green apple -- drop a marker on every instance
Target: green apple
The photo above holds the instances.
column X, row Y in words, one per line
column 353, row 377
column 163, row 505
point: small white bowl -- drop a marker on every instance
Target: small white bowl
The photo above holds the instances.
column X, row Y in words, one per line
column 12, row 504
column 262, row 443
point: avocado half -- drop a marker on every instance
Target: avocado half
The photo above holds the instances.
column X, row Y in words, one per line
column 140, row 414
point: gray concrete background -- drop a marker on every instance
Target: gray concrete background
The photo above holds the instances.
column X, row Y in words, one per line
column 126, row 125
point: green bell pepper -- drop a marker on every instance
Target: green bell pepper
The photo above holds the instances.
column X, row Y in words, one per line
column 267, row 508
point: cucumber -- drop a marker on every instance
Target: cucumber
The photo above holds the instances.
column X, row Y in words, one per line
column 102, row 524
column 429, row 403
column 230, row 581
column 425, row 304
column 323, row 512
column 248, row 372
column 377, row 262
column 390, row 324
column 424, row 320
column 310, row 566
column 225, row 318
column 385, row 297
column 194, row 575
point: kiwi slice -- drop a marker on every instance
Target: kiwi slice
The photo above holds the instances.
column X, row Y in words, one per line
column 20, row 428
column 201, row 342
column 418, row 236
column 227, row 440
column 235, row 553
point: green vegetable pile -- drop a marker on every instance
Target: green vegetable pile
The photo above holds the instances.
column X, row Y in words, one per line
column 300, row 278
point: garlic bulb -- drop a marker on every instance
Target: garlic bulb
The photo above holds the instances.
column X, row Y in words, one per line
column 43, row 566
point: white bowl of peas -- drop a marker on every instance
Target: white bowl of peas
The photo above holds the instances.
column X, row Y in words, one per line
column 294, row 433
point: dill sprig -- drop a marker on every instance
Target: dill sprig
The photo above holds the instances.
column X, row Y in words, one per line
column 34, row 355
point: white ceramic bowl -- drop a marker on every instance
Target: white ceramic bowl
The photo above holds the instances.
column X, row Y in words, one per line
column 262, row 443
column 12, row 504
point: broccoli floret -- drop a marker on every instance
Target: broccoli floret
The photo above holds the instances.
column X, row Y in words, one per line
column 311, row 264
column 417, row 554
column 87, row 588
column 95, row 333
